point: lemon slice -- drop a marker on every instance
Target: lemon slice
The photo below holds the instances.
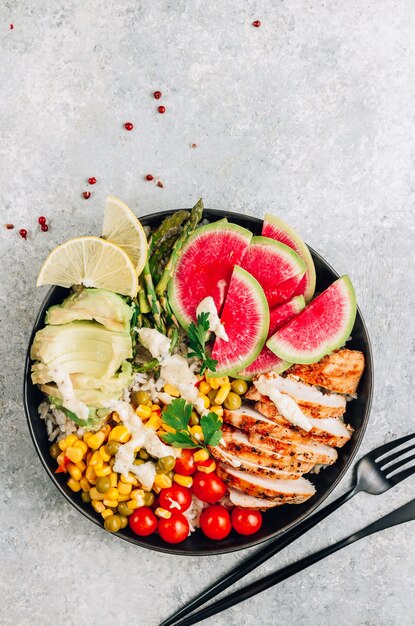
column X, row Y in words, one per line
column 123, row 228
column 92, row 262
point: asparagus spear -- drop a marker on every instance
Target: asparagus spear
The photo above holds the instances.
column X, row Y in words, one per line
column 169, row 223
column 142, row 299
column 156, row 259
column 152, row 299
column 146, row 367
column 195, row 217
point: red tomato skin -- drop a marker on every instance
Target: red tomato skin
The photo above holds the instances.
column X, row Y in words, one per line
column 185, row 464
column 175, row 494
column 208, row 487
column 246, row 521
column 175, row 529
column 143, row 522
column 215, row 522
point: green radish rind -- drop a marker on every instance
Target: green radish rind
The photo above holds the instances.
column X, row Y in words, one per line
column 303, row 251
column 282, row 348
column 172, row 289
column 259, row 296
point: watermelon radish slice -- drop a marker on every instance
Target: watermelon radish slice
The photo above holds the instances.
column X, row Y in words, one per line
column 245, row 316
column 205, row 267
column 275, row 228
column 268, row 361
column 277, row 268
column 323, row 326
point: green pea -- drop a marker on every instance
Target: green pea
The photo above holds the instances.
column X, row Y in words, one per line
column 167, row 463
column 123, row 520
column 212, row 395
column 103, row 484
column 233, row 401
column 140, row 397
column 85, row 497
column 143, row 454
column 239, row 386
column 54, row 451
column 123, row 509
column 149, row 498
column 112, row 524
column 112, row 447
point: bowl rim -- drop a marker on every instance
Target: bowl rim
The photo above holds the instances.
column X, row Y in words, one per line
column 216, row 548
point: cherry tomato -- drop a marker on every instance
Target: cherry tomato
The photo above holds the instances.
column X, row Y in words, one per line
column 143, row 522
column 185, row 464
column 215, row 522
column 175, row 529
column 208, row 487
column 246, row 521
column 175, row 498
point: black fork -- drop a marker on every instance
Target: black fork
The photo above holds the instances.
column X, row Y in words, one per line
column 375, row 473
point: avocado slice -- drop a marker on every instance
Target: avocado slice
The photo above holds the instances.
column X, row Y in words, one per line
column 103, row 306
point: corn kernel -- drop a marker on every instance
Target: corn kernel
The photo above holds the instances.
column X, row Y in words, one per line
column 222, row 393
column 204, row 387
column 106, row 429
column 184, row 481
column 103, row 471
column 107, row 513
column 154, row 422
column 163, row 481
column 207, row 469
column 160, row 512
column 73, row 484
column 156, row 408
column 130, row 480
column 116, row 417
column 104, row 454
column 85, row 486
column 135, row 503
column 60, row 459
column 87, row 436
column 70, row 440
column 113, row 479
column 201, row 455
column 62, row 444
column 112, row 503
column 156, row 489
column 143, row 411
column 111, row 493
column 217, row 409
column 89, row 456
column 197, row 432
column 74, row 454
column 137, row 493
column 95, row 494
column 123, row 488
column 74, row 471
column 82, row 446
column 81, row 465
column 123, row 498
column 98, row 506
column 96, row 440
column 90, row 474
column 205, row 399
column 172, row 390
column 213, row 382
column 119, row 433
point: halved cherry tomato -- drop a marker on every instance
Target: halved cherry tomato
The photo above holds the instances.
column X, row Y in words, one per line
column 175, row 498
column 143, row 522
column 215, row 522
column 63, row 466
column 246, row 521
column 175, row 529
column 208, row 487
column 185, row 464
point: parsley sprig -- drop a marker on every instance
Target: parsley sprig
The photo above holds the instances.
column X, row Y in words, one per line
column 197, row 342
column 177, row 415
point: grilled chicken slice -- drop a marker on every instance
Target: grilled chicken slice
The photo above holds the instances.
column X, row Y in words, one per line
column 339, row 372
column 220, row 454
column 281, row 491
column 316, row 453
column 237, row 443
column 311, row 401
column 330, row 431
column 249, row 502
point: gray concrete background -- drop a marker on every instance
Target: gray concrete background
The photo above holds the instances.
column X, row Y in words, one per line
column 312, row 117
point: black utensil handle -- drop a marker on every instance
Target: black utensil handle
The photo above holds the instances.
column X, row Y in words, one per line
column 405, row 513
column 259, row 557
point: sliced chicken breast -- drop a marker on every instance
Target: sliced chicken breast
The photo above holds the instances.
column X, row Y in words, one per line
column 340, row 371
column 282, row 491
column 316, row 453
column 220, row 454
column 249, row 502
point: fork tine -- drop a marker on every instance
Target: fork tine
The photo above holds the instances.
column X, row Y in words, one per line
column 375, row 454
column 395, row 480
column 389, row 470
column 394, row 456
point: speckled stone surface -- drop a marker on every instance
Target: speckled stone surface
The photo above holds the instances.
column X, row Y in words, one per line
column 310, row 116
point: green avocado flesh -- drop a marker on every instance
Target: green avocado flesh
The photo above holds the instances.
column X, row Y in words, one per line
column 101, row 305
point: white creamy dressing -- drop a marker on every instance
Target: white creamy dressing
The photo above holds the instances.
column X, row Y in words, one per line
column 207, row 305
column 141, row 437
column 69, row 400
column 285, row 405
column 174, row 369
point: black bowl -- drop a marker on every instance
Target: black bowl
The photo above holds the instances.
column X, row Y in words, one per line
column 276, row 520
